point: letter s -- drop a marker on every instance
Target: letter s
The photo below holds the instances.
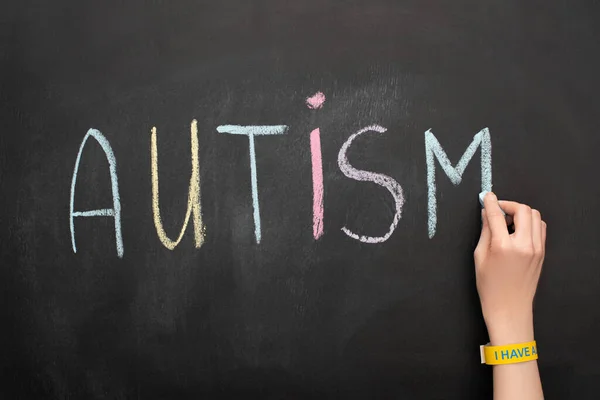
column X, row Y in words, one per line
column 366, row 176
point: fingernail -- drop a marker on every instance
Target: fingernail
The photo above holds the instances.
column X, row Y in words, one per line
column 492, row 196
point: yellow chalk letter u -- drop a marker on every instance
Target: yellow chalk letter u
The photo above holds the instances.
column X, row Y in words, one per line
column 193, row 205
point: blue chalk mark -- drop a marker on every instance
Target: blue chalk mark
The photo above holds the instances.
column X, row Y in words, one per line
column 433, row 150
column 254, row 184
column 115, row 212
column 251, row 131
column 256, row 130
column 105, row 212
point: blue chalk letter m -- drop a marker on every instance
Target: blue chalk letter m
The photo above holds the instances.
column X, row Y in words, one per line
column 434, row 149
column 114, row 212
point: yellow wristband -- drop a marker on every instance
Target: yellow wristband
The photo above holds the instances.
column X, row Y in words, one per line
column 509, row 354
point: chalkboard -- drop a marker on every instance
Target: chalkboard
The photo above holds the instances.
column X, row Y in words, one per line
column 321, row 160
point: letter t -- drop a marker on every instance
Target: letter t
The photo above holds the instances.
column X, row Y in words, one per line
column 252, row 131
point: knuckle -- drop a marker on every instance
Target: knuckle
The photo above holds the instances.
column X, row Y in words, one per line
column 527, row 250
column 497, row 243
column 524, row 209
column 536, row 213
column 500, row 246
column 479, row 254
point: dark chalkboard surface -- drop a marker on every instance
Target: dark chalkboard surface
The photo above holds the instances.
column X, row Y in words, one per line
column 255, row 114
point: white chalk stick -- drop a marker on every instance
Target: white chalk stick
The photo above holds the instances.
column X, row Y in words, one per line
column 482, row 196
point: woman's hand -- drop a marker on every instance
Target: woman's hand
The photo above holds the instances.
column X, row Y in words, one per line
column 508, row 268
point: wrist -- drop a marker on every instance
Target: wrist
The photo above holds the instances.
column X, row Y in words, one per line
column 510, row 330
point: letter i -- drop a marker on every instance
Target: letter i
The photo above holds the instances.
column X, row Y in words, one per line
column 315, row 102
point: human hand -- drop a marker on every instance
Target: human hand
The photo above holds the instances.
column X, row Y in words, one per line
column 508, row 267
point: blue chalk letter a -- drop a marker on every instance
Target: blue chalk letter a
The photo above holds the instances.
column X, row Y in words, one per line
column 114, row 212
column 434, row 149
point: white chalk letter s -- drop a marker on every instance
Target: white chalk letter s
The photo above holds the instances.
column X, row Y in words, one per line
column 366, row 176
column 114, row 212
column 434, row 149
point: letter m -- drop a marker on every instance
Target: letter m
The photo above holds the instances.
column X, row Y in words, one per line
column 433, row 149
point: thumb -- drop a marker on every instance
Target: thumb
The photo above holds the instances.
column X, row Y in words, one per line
column 486, row 233
column 495, row 216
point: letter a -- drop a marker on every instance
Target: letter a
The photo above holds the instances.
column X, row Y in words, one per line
column 193, row 205
column 114, row 212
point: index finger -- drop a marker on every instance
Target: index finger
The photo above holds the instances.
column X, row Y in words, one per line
column 495, row 216
column 521, row 214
